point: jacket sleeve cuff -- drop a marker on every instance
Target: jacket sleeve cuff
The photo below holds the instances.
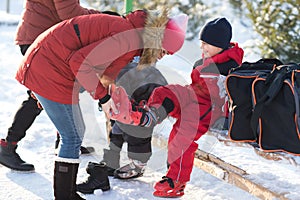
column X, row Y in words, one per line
column 104, row 99
column 99, row 93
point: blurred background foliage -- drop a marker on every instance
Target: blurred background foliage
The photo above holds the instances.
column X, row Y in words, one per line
column 276, row 21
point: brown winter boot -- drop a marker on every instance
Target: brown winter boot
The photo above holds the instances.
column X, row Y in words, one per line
column 11, row 159
column 65, row 175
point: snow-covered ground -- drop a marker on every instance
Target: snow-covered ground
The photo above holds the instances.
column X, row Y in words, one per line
column 38, row 146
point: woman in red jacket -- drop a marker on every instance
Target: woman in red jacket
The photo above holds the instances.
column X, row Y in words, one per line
column 38, row 15
column 195, row 106
column 89, row 51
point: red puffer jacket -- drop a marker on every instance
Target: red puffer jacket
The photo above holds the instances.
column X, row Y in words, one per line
column 211, row 85
column 39, row 15
column 77, row 52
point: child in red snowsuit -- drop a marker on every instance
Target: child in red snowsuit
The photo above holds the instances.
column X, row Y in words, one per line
column 195, row 106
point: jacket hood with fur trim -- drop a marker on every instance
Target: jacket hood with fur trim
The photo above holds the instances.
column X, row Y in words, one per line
column 152, row 34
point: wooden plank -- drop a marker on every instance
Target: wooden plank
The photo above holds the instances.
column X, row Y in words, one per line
column 235, row 176
column 226, row 172
column 203, row 155
column 253, row 188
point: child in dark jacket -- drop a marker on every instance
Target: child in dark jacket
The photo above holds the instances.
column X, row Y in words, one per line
column 138, row 84
column 195, row 106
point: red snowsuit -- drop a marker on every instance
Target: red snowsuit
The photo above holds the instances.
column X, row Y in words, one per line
column 192, row 109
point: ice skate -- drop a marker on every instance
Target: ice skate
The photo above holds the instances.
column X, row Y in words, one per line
column 169, row 188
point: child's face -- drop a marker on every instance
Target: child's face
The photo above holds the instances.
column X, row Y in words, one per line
column 209, row 50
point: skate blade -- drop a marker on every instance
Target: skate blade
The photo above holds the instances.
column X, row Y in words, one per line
column 168, row 194
column 128, row 175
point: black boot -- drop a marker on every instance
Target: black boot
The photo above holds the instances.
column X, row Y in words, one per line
column 11, row 159
column 65, row 175
column 98, row 179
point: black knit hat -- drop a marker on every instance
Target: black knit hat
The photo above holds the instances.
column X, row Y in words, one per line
column 217, row 33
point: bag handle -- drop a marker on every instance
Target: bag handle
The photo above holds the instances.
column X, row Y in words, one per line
column 275, row 81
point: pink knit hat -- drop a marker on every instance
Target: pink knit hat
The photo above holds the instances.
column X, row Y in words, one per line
column 174, row 34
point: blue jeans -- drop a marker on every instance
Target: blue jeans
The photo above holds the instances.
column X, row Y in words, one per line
column 68, row 121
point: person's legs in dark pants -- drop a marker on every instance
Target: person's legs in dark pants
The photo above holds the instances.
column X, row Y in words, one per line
column 139, row 152
column 111, row 155
column 138, row 148
column 23, row 119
